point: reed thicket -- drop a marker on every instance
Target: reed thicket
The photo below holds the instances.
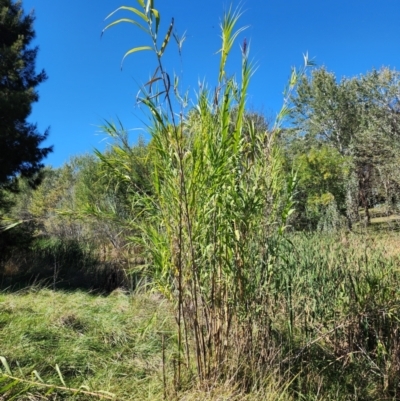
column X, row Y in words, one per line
column 219, row 194
column 248, row 298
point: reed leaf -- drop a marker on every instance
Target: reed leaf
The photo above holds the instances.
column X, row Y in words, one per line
column 131, row 9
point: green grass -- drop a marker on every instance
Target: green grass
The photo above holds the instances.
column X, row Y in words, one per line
column 112, row 343
column 339, row 297
column 333, row 312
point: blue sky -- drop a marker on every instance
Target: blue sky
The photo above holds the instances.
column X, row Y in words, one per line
column 86, row 85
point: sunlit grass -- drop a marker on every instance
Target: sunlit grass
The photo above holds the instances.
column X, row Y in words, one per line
column 109, row 343
column 112, row 344
column 334, row 307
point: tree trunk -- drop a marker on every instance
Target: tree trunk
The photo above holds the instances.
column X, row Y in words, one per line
column 364, row 175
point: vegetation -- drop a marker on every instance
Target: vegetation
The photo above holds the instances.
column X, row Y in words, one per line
column 354, row 123
column 19, row 140
column 245, row 253
column 333, row 306
column 20, row 151
column 102, row 345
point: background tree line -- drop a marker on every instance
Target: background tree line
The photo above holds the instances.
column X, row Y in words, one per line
column 342, row 143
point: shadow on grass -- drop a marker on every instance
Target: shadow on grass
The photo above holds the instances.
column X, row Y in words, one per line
column 62, row 265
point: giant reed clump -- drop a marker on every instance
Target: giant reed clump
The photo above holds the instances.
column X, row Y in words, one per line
column 248, row 299
column 219, row 193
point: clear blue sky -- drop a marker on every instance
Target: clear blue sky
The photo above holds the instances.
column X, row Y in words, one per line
column 86, row 85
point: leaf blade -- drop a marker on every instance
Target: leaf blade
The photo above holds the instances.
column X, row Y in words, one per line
column 157, row 17
column 166, row 40
column 132, row 9
column 134, row 50
column 131, row 21
column 6, row 365
column 60, row 375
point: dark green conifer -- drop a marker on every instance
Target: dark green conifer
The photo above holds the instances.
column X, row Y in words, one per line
column 21, row 153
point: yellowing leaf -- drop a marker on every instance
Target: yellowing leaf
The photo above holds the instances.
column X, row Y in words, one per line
column 60, row 375
column 166, row 40
column 5, row 364
column 237, row 235
column 157, row 16
column 36, row 373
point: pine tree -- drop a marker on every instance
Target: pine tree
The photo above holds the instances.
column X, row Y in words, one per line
column 20, row 151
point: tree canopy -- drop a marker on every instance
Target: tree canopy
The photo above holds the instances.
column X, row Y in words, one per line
column 20, row 140
column 358, row 118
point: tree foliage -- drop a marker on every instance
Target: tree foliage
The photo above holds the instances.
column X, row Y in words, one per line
column 20, row 151
column 359, row 117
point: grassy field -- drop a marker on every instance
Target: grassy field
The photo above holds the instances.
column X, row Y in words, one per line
column 112, row 344
column 106, row 347
column 334, row 334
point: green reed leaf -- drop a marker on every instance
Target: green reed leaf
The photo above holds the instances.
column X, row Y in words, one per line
column 157, row 17
column 134, row 50
column 132, row 9
column 9, row 386
column 131, row 21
